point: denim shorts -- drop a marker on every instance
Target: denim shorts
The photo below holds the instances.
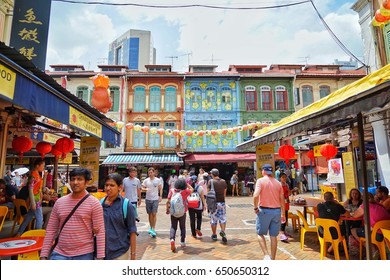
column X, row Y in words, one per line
column 268, row 220
column 59, row 257
column 151, row 206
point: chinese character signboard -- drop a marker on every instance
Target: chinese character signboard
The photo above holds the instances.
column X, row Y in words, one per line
column 7, row 82
column 30, row 28
column 79, row 120
column 89, row 157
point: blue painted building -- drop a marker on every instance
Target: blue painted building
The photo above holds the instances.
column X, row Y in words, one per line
column 211, row 108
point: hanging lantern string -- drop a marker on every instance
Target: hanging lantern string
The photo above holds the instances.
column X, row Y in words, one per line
column 195, row 133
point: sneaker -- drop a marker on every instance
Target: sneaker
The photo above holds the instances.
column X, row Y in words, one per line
column 153, row 233
column 173, row 247
column 283, row 238
column 182, row 244
column 199, row 233
column 150, row 231
column 214, row 237
column 223, row 235
column 267, row 258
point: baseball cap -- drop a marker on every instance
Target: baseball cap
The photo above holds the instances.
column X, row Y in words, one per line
column 267, row 168
column 215, row 172
column 194, row 178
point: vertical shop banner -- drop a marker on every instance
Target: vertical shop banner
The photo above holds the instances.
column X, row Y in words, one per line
column 264, row 154
column 30, row 28
column 335, row 171
column 349, row 171
column 89, row 157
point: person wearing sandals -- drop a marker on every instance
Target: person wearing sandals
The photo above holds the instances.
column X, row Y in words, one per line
column 219, row 216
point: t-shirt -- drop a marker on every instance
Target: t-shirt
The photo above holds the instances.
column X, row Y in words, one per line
column 219, row 186
column 330, row 210
column 285, row 193
column 184, row 193
column 172, row 180
column 377, row 213
column 270, row 191
column 131, row 186
column 152, row 188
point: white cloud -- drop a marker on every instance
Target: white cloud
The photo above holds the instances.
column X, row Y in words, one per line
column 284, row 35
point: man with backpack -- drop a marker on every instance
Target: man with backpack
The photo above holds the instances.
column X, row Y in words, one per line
column 177, row 206
column 217, row 215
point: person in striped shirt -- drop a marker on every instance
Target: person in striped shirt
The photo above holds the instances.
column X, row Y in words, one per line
column 76, row 240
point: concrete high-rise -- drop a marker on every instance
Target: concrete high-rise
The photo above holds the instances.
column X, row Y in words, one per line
column 133, row 49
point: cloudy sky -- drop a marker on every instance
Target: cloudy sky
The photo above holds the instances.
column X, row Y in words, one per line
column 80, row 34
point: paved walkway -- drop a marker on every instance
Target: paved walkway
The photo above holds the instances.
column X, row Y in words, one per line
column 242, row 239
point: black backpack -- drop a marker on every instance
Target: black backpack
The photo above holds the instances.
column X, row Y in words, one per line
column 23, row 193
column 211, row 199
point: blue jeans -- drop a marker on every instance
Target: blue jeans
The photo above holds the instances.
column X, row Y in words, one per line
column 28, row 218
column 58, row 257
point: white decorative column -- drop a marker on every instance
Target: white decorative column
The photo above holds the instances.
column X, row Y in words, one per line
column 382, row 146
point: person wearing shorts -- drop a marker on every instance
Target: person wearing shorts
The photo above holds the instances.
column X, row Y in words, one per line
column 219, row 216
column 152, row 198
column 268, row 199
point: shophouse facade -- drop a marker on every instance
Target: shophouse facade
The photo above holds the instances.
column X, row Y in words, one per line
column 77, row 80
column 264, row 96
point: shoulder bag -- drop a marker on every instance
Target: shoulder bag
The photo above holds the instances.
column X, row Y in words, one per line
column 66, row 220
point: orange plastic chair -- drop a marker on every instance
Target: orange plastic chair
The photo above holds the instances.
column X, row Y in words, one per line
column 32, row 255
column 19, row 217
column 294, row 220
column 385, row 224
column 3, row 215
column 386, row 235
column 326, row 225
column 304, row 228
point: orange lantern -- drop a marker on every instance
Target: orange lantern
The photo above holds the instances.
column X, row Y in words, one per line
column 201, row 133
column 161, row 131
column 43, row 148
column 286, row 152
column 235, row 129
column 55, row 151
column 244, row 127
column 189, row 133
column 176, row 132
column 145, row 128
column 65, row 145
column 379, row 17
column 22, row 144
column 224, row 131
column 328, row 150
column 213, row 132
column 129, row 126
column 101, row 100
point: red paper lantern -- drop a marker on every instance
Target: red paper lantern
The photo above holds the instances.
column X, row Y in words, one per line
column 224, row 131
column 328, row 150
column 22, row 144
column 213, row 132
column 286, row 152
column 43, row 148
column 245, row 127
column 65, row 145
column 55, row 151
column 201, row 133
column 310, row 155
column 145, row 129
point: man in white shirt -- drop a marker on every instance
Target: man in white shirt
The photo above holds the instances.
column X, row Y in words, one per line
column 153, row 197
column 172, row 179
column 132, row 187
